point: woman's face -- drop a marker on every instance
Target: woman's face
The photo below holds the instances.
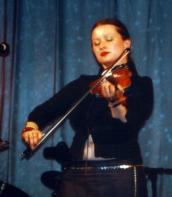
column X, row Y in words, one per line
column 108, row 45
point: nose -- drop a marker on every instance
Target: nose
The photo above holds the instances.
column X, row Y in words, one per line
column 102, row 45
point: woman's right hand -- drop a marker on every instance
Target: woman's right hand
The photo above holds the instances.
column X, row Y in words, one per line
column 31, row 135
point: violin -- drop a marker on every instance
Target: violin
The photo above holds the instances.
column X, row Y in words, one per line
column 120, row 77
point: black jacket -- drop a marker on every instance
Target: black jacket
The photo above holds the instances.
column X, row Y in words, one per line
column 112, row 137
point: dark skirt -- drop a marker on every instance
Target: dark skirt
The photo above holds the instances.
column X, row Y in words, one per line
column 103, row 179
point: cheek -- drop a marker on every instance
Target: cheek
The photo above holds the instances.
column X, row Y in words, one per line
column 95, row 51
column 113, row 48
column 117, row 47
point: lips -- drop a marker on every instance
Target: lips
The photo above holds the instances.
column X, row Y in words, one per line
column 104, row 53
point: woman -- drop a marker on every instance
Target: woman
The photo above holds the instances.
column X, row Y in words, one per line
column 104, row 158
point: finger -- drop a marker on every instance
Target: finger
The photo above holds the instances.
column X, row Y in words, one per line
column 35, row 138
column 105, row 89
column 31, row 139
column 120, row 88
column 111, row 90
column 25, row 138
column 40, row 135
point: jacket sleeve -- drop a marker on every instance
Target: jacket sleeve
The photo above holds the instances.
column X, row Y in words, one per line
column 139, row 102
column 55, row 107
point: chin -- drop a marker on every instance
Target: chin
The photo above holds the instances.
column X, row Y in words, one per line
column 107, row 64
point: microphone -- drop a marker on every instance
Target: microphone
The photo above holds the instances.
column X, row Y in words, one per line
column 4, row 49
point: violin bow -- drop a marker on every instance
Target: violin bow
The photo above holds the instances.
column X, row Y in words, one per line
column 28, row 152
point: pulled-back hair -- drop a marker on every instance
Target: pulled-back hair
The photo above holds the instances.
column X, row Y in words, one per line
column 120, row 27
column 123, row 31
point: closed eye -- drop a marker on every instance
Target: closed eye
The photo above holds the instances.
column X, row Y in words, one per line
column 109, row 38
column 97, row 42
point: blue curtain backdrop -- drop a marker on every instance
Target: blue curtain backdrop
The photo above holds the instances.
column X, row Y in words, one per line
column 50, row 46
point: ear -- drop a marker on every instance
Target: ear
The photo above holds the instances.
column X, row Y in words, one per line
column 127, row 43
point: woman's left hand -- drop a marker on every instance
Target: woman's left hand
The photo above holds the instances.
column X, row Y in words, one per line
column 107, row 90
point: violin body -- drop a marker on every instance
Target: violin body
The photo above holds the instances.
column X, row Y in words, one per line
column 120, row 77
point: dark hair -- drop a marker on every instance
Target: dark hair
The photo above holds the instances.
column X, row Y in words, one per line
column 121, row 28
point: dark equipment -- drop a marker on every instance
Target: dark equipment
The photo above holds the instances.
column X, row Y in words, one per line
column 7, row 190
column 4, row 49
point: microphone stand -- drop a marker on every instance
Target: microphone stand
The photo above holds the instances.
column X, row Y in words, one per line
column 29, row 152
